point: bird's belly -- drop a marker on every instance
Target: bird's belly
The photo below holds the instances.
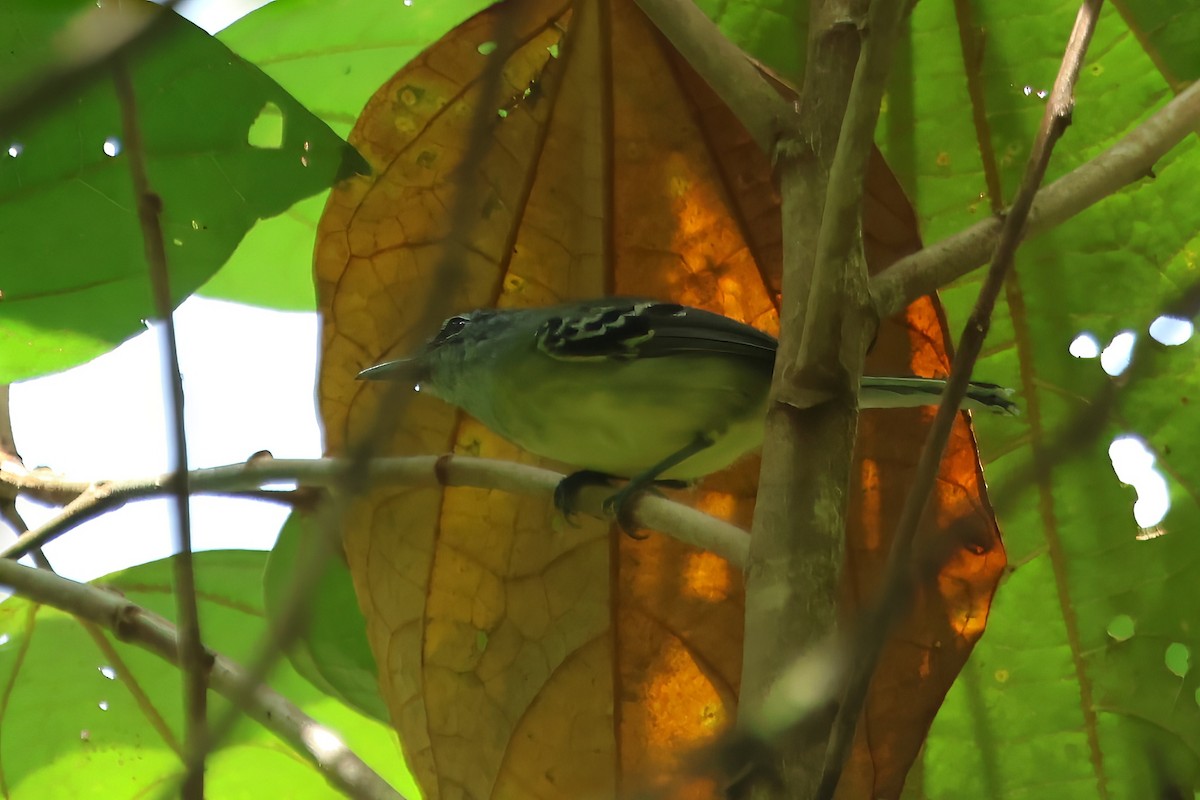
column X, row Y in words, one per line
column 626, row 424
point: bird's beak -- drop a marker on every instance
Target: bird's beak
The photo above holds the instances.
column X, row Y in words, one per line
column 411, row 369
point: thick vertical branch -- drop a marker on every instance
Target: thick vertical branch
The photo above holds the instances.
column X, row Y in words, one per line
column 796, row 550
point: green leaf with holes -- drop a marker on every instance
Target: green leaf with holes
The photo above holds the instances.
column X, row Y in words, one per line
column 1085, row 684
column 73, row 276
column 84, row 715
column 332, row 56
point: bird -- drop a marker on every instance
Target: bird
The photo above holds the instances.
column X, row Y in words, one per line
column 655, row 392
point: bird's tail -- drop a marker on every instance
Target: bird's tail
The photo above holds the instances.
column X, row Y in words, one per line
column 907, row 392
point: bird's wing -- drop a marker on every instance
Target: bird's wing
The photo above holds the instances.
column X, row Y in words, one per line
column 630, row 329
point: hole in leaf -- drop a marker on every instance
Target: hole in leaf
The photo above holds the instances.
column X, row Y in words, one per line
column 108, row 672
column 266, row 131
column 15, row 149
column 3, row 639
column 112, row 146
column 1084, row 346
column 1133, row 463
column 487, row 48
column 1177, row 657
column 1115, row 358
column 1171, row 331
column 1121, row 627
column 103, row 705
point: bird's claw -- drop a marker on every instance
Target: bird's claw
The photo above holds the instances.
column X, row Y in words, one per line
column 566, row 493
column 620, row 506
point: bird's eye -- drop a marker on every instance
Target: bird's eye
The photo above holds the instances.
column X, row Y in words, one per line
column 450, row 328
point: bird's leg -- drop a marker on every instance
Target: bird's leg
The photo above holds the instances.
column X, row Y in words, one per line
column 618, row 504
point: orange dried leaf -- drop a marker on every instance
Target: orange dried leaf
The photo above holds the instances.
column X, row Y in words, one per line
column 521, row 657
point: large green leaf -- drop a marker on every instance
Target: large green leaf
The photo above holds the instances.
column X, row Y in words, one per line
column 1070, row 693
column 225, row 146
column 86, row 718
column 332, row 56
column 333, row 652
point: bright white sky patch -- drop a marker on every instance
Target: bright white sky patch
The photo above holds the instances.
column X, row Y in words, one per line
column 1084, row 346
column 1134, row 464
column 1171, row 330
column 248, row 378
column 1115, row 358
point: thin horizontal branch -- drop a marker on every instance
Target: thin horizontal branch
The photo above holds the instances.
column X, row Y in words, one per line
column 132, row 623
column 1129, row 160
column 723, row 66
column 88, row 500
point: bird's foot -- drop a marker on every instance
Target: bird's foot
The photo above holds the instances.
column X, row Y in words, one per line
column 620, row 506
column 566, row 494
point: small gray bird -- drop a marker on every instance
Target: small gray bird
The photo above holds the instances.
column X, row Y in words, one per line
column 625, row 388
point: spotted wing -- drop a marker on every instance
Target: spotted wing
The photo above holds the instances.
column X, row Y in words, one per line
column 627, row 329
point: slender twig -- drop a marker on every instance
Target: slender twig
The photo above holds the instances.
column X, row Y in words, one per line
column 657, row 513
column 898, row 574
column 839, row 261
column 10, row 460
column 1129, row 160
column 725, row 68
column 287, row 622
column 149, row 207
column 131, row 623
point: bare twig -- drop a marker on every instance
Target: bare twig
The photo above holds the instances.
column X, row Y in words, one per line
column 10, row 461
column 723, row 66
column 131, row 623
column 840, row 269
column 684, row 523
column 898, row 575
column 1129, row 160
column 191, row 656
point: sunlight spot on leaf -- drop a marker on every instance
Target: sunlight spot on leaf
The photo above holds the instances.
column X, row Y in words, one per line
column 1177, row 659
column 15, row 149
column 1133, row 463
column 1084, row 346
column 108, row 672
column 112, row 146
column 1171, row 331
column 487, row 48
column 1115, row 358
column 1122, row 627
column 266, row 132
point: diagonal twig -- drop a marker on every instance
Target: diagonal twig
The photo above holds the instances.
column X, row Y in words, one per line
column 723, row 66
column 1129, row 160
column 131, row 623
column 898, row 575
